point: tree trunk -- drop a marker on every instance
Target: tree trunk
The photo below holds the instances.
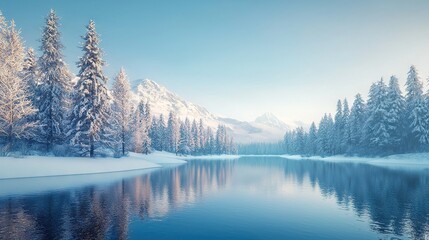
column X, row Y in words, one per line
column 91, row 147
column 123, row 143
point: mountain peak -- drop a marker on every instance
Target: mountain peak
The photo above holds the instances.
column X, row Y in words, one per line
column 271, row 120
column 266, row 128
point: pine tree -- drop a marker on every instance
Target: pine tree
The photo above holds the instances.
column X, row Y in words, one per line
column 162, row 135
column 339, row 129
column 312, row 140
column 357, row 120
column 300, row 140
column 30, row 75
column 147, row 142
column 325, row 135
column 195, row 137
column 154, row 134
column 139, row 130
column 173, row 135
column 90, row 114
column 221, row 140
column 55, row 86
column 202, row 137
column 346, row 138
column 190, row 139
column 121, row 94
column 16, row 109
column 376, row 126
column 184, row 140
column 416, row 115
column 211, row 142
column 396, row 108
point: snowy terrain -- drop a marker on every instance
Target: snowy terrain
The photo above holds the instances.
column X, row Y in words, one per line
column 48, row 166
column 265, row 128
column 410, row 160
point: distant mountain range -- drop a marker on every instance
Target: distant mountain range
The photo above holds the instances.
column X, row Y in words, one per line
column 265, row 128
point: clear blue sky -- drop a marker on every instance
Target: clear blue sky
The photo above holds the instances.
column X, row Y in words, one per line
column 240, row 58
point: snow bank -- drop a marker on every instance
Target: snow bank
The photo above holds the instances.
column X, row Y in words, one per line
column 161, row 158
column 44, row 166
column 49, row 166
column 410, row 160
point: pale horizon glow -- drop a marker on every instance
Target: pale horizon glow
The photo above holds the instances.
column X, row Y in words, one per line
column 242, row 58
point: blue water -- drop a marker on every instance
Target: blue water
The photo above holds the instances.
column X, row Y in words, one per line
column 249, row 198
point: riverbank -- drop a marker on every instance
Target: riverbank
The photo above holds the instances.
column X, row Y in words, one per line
column 49, row 166
column 410, row 160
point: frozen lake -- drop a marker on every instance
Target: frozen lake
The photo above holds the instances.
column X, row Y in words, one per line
column 248, row 198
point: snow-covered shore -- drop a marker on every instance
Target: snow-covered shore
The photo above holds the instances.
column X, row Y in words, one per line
column 49, row 166
column 410, row 160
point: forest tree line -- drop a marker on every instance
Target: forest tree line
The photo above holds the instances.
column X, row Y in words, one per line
column 389, row 122
column 45, row 108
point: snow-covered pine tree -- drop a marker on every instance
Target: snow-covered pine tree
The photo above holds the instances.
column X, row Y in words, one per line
column 312, row 140
column 210, row 142
column 416, row 115
column 16, row 108
column 232, row 147
column 162, row 136
column 139, row 128
column 202, row 136
column 121, row 93
column 346, row 139
column 91, row 108
column 396, row 108
column 339, row 128
column 147, row 142
column 55, row 86
column 31, row 75
column 184, row 139
column 376, row 126
column 300, row 140
column 154, row 134
column 191, row 143
column 173, row 135
column 357, row 120
column 325, row 135
column 221, row 140
column 195, row 137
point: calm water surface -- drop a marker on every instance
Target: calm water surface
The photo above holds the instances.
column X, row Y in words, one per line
column 249, row 198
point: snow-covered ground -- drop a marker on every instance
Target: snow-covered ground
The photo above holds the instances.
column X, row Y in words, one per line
column 410, row 160
column 49, row 166
column 43, row 166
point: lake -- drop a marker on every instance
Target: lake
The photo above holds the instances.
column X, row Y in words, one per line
column 248, row 198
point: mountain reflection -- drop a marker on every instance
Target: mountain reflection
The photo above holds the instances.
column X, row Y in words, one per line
column 396, row 201
column 104, row 212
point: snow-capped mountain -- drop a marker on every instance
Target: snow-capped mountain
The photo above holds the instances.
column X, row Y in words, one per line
column 267, row 127
column 163, row 101
column 270, row 119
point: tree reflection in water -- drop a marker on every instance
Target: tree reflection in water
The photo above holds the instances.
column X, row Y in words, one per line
column 394, row 200
column 100, row 212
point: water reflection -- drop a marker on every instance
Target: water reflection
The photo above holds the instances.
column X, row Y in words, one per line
column 103, row 212
column 395, row 201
